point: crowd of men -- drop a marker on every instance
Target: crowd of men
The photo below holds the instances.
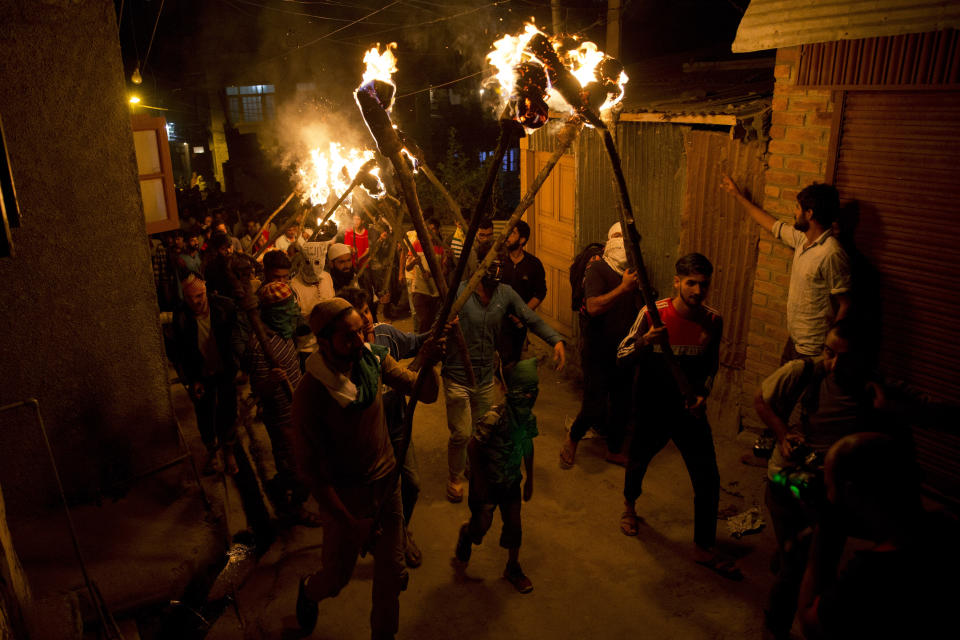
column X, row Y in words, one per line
column 294, row 313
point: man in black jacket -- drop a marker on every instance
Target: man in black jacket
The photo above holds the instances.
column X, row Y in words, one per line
column 207, row 341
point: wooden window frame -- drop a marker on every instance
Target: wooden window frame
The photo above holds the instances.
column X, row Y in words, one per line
column 141, row 122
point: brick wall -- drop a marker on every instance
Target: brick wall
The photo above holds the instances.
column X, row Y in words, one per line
column 797, row 156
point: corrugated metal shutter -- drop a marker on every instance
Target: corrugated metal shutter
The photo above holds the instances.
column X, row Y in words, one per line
column 898, row 157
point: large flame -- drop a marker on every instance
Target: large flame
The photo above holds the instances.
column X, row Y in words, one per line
column 508, row 52
column 583, row 61
column 380, row 66
column 327, row 174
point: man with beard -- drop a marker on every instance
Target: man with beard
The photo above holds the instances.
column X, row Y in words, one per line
column 820, row 275
column 524, row 272
column 836, row 399
column 693, row 332
column 343, row 453
column 610, row 295
column 481, row 319
column 343, row 273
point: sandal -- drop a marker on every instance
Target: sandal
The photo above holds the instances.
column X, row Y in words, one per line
column 629, row 523
column 724, row 567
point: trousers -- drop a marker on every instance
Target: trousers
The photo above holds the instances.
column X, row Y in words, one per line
column 341, row 549
column 694, row 439
column 465, row 405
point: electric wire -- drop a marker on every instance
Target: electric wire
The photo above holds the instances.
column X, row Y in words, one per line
column 143, row 67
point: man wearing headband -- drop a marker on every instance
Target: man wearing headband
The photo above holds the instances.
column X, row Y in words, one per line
column 610, row 299
column 206, row 341
column 344, row 454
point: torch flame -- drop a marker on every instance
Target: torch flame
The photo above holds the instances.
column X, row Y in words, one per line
column 582, row 62
column 508, row 52
column 331, row 172
column 380, row 66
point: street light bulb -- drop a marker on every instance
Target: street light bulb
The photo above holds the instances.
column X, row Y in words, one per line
column 136, row 78
column 134, row 99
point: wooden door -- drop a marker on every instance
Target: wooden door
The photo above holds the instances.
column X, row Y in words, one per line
column 553, row 236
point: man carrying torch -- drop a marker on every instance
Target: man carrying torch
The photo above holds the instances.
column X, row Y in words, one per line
column 344, row 455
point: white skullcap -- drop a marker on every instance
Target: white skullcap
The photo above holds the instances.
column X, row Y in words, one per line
column 338, row 250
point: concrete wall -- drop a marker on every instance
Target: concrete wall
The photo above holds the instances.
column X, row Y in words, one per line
column 77, row 304
column 799, row 138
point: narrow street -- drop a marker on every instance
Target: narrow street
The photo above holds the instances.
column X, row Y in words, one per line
column 590, row 581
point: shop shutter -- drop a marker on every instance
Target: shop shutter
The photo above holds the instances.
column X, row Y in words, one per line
column 898, row 156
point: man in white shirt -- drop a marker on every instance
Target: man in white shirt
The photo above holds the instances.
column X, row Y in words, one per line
column 820, row 275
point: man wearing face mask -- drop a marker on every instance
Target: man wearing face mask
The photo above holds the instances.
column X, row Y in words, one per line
column 481, row 319
column 311, row 284
column 281, row 315
column 836, row 399
column 610, row 295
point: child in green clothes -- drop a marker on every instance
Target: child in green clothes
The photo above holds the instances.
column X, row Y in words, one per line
column 503, row 441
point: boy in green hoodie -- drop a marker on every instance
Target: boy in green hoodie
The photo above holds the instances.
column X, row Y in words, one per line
column 501, row 444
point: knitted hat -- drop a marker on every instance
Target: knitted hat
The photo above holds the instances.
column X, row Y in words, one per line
column 338, row 250
column 325, row 311
column 274, row 292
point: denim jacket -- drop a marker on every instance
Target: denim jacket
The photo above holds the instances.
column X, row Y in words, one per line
column 481, row 327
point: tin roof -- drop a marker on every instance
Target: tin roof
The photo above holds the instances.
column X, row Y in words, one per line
column 772, row 24
column 679, row 86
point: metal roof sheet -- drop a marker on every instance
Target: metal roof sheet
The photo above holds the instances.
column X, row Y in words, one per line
column 772, row 24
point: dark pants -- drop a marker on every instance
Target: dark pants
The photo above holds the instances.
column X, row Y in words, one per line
column 216, row 411
column 693, row 438
column 789, row 517
column 483, row 500
column 394, row 410
column 341, row 548
column 276, row 419
column 606, row 402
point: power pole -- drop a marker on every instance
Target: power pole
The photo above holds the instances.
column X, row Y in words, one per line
column 556, row 12
column 613, row 28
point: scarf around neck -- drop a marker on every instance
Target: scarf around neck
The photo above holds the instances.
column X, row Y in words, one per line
column 360, row 388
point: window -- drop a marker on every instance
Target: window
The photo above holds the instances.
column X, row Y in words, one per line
column 155, row 172
column 250, row 103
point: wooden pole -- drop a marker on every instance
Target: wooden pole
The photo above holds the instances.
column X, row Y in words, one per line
column 635, row 256
column 271, row 217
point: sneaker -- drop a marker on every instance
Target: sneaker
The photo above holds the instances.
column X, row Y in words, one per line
column 515, row 575
column 464, row 546
column 454, row 491
column 307, row 609
column 412, row 554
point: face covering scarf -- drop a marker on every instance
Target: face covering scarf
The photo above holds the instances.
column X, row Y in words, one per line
column 615, row 255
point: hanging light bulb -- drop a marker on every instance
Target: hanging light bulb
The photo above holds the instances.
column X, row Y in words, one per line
column 136, row 78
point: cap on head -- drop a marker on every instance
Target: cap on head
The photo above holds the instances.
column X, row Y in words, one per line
column 338, row 250
column 325, row 312
column 274, row 292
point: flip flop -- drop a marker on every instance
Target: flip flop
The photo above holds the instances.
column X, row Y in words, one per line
column 724, row 567
column 629, row 523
